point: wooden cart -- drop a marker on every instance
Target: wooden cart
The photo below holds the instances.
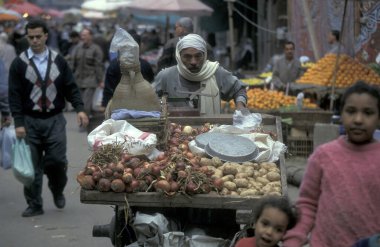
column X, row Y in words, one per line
column 242, row 207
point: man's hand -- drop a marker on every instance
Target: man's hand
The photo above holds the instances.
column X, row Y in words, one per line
column 240, row 105
column 20, row 132
column 6, row 121
column 82, row 119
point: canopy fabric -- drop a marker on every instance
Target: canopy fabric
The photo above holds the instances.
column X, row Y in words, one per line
column 164, row 7
column 54, row 13
column 9, row 15
column 105, row 5
column 25, row 8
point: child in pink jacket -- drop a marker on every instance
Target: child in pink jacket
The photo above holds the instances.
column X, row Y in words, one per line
column 339, row 197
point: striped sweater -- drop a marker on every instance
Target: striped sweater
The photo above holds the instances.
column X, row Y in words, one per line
column 339, row 199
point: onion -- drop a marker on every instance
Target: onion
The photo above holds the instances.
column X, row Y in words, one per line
column 161, row 156
column 218, row 183
column 143, row 186
column 125, row 157
column 183, row 147
column 182, row 174
column 117, row 185
column 189, row 155
column 137, row 172
column 156, row 170
column 128, row 170
column 104, row 185
column 107, row 173
column 205, row 188
column 111, row 166
column 180, row 165
column 119, row 168
column 174, row 141
column 135, row 185
column 162, row 186
column 88, row 182
column 134, row 162
column 191, row 187
column 187, row 130
column 127, row 178
column 148, row 179
column 174, row 186
column 97, row 176
column 89, row 170
column 117, row 175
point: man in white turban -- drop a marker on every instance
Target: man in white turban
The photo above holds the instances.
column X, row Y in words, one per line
column 199, row 82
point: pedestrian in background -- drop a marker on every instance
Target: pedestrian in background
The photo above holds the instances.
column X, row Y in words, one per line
column 287, row 69
column 39, row 82
column 4, row 105
column 88, row 68
column 183, row 27
column 113, row 74
column 339, row 196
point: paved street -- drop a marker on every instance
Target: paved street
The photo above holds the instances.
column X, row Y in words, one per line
column 71, row 226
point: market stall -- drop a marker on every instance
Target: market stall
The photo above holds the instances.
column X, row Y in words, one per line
column 234, row 207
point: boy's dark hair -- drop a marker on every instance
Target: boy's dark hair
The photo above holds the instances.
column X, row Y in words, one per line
column 361, row 87
column 74, row 34
column 288, row 42
column 36, row 23
column 279, row 202
column 336, row 34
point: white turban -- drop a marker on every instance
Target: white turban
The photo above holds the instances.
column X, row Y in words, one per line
column 192, row 41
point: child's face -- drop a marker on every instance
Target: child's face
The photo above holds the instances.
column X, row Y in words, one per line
column 270, row 227
column 360, row 117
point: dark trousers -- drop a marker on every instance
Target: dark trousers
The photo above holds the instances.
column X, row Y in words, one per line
column 47, row 140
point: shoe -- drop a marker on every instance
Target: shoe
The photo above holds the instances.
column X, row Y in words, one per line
column 59, row 201
column 32, row 211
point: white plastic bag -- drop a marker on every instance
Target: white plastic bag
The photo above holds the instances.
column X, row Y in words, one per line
column 243, row 119
column 23, row 168
column 135, row 141
column 97, row 99
column 7, row 140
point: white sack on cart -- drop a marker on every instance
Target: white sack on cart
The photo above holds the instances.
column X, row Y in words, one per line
column 149, row 229
column 135, row 141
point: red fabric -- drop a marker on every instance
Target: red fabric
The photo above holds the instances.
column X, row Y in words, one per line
column 246, row 242
column 25, row 7
column 339, row 197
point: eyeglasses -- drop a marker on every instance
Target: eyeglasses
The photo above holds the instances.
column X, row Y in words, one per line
column 32, row 37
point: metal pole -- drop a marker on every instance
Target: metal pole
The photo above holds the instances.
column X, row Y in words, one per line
column 231, row 32
column 332, row 100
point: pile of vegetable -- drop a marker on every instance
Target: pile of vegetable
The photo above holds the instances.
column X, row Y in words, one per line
column 176, row 170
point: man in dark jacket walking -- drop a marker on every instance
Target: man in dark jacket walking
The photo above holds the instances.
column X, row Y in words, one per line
column 40, row 81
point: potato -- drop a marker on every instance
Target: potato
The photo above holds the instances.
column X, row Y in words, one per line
column 216, row 161
column 268, row 165
column 230, row 169
column 262, row 180
column 205, row 162
column 262, row 172
column 273, row 176
column 234, row 193
column 228, row 178
column 275, row 184
column 273, row 193
column 217, row 174
column 231, row 186
column 225, row 191
column 274, row 169
column 249, row 192
column 241, row 175
column 241, row 182
column 247, row 163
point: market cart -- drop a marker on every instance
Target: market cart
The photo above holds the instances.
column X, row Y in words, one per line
column 241, row 207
